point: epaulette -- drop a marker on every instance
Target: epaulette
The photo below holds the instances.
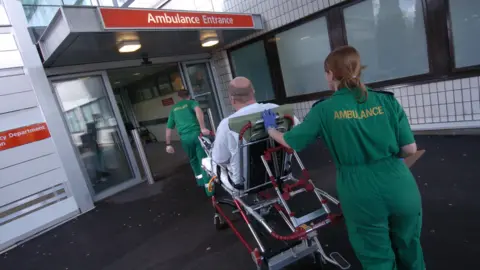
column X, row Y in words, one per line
column 384, row 92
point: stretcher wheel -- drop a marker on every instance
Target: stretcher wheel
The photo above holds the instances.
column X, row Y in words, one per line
column 220, row 224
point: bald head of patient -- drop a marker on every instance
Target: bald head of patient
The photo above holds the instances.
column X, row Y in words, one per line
column 241, row 92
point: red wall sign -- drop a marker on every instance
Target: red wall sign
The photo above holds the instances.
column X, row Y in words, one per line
column 168, row 102
column 121, row 18
column 23, row 135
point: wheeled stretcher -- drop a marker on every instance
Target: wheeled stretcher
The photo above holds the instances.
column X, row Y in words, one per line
column 283, row 213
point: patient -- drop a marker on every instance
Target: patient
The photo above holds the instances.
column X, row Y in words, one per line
column 225, row 149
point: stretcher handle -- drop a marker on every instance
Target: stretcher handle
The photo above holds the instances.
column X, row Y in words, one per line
column 300, row 233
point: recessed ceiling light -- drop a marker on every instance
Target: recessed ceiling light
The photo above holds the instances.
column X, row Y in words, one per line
column 209, row 42
column 128, row 46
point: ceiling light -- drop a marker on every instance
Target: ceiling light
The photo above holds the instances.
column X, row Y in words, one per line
column 127, row 46
column 117, row 82
column 209, row 42
column 136, row 74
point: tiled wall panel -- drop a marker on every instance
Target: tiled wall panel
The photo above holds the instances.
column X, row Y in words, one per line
column 444, row 104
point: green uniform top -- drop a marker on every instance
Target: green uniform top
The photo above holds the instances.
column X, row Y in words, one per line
column 184, row 118
column 356, row 133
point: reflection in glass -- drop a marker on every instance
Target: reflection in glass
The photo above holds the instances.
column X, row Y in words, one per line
column 302, row 51
column 465, row 18
column 251, row 62
column 202, row 91
column 198, row 75
column 78, row 2
column 39, row 15
column 176, row 80
column 390, row 36
column 94, row 131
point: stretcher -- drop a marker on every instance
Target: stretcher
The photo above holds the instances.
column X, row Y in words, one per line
column 283, row 213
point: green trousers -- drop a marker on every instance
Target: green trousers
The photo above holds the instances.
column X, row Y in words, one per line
column 195, row 153
column 382, row 208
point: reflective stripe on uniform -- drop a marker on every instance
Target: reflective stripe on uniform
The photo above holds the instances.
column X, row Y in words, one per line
column 199, row 176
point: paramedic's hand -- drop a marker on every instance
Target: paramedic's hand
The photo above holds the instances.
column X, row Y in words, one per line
column 170, row 149
column 205, row 131
column 269, row 119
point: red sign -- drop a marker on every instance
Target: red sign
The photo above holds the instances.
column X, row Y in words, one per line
column 23, row 135
column 121, row 18
column 168, row 102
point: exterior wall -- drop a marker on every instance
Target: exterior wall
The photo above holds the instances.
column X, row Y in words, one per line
column 39, row 188
column 438, row 105
column 275, row 13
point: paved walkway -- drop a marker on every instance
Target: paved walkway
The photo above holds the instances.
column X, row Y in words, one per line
column 169, row 226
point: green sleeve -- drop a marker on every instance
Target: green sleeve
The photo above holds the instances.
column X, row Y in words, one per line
column 404, row 133
column 305, row 133
column 171, row 120
column 194, row 104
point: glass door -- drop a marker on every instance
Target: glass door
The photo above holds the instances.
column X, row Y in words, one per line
column 97, row 130
column 199, row 81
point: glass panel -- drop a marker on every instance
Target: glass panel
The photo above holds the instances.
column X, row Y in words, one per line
column 202, row 90
column 176, row 80
column 109, row 3
column 78, row 2
column 199, row 78
column 251, row 62
column 302, row 51
column 42, row 2
column 465, row 17
column 39, row 15
column 121, row 2
column 100, row 145
column 390, row 38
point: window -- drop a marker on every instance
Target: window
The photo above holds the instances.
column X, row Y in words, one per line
column 302, row 51
column 465, row 20
column 390, row 36
column 251, row 62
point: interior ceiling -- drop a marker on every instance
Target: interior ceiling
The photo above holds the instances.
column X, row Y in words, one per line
column 125, row 76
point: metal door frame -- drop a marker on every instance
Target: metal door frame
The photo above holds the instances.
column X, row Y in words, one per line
column 188, row 84
column 121, row 126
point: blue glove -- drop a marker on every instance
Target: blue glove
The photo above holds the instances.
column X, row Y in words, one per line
column 269, row 119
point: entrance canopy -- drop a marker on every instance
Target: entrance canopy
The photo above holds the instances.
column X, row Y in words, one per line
column 86, row 35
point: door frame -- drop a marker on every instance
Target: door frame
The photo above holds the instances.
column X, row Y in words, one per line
column 188, row 84
column 121, row 126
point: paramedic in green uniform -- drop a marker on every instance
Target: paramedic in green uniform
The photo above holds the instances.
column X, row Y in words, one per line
column 187, row 117
column 367, row 133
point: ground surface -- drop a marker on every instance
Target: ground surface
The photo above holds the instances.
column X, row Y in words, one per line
column 170, row 226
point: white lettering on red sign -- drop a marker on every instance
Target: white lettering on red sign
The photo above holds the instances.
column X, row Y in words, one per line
column 166, row 19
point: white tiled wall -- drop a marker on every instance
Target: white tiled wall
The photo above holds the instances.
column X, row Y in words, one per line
column 454, row 102
column 444, row 104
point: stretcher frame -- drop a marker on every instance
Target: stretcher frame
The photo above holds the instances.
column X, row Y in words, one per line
column 285, row 186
